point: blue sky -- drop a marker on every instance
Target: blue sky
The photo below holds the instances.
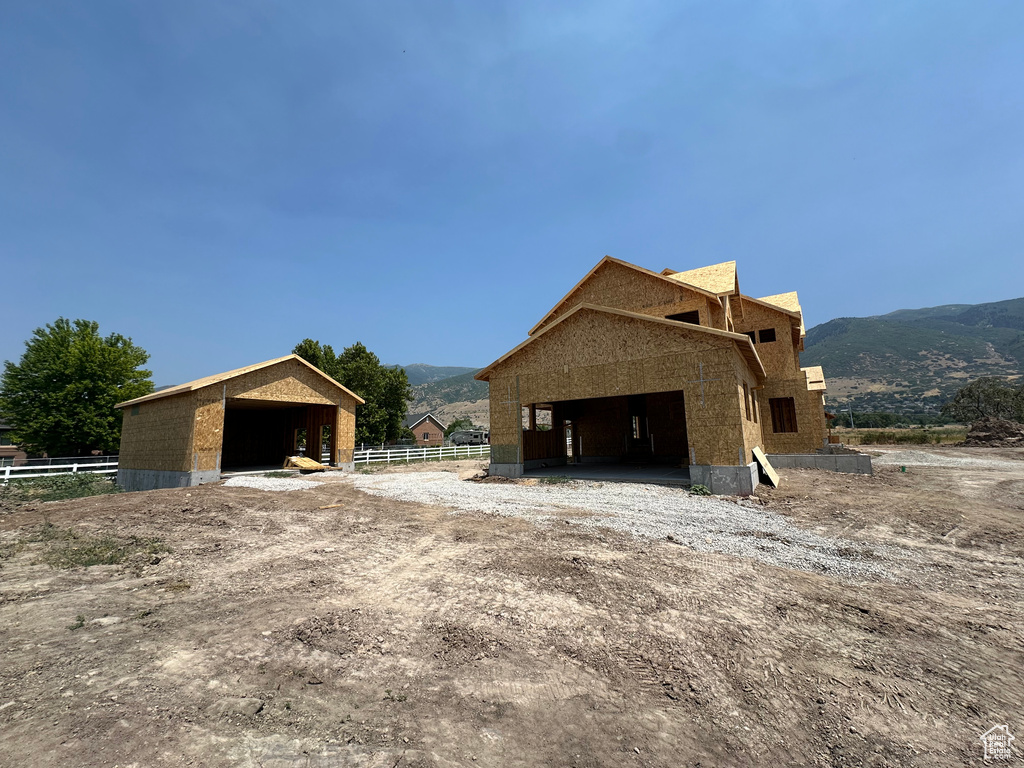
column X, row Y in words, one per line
column 220, row 180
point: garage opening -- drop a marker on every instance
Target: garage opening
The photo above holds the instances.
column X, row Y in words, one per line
column 641, row 437
column 261, row 434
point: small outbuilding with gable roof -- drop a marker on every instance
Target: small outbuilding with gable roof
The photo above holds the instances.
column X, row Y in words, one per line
column 250, row 417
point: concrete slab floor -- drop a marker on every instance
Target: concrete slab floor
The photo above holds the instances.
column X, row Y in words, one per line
column 657, row 474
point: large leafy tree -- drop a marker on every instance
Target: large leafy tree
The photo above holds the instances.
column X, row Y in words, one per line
column 458, row 425
column 60, row 396
column 987, row 397
column 385, row 389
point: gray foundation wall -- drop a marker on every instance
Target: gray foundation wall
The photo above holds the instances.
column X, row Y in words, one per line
column 725, row 481
column 850, row 463
column 151, row 479
column 506, row 470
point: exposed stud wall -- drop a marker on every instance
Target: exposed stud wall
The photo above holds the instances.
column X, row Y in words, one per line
column 619, row 287
column 159, row 437
column 666, row 417
column 543, row 444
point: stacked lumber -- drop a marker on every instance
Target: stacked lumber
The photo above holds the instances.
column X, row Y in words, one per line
column 303, row 463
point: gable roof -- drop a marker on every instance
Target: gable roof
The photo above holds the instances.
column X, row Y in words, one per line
column 413, row 420
column 815, row 377
column 191, row 386
column 719, row 279
column 621, row 263
column 790, row 302
column 743, row 342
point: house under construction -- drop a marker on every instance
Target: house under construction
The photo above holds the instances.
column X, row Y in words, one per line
column 673, row 368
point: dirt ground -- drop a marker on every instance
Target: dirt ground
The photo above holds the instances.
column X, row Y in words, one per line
column 276, row 632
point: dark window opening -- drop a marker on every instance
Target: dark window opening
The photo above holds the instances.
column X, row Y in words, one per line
column 686, row 317
column 426, row 435
column 752, row 335
column 5, row 439
column 783, row 414
column 746, row 399
column 135, row 410
column 766, row 335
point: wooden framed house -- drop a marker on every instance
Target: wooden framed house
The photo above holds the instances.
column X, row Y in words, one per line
column 676, row 368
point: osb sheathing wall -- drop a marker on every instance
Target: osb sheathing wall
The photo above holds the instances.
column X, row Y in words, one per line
column 779, row 358
column 752, row 434
column 781, row 361
column 594, row 354
column 810, row 418
column 159, row 436
column 617, row 286
column 345, row 431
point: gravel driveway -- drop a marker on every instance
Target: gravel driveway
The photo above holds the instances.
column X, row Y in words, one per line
column 706, row 524
column 896, row 457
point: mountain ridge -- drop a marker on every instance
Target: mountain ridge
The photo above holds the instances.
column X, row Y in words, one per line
column 913, row 360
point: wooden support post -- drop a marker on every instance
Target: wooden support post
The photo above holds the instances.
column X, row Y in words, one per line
column 533, row 417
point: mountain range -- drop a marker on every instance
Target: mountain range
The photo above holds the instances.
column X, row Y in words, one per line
column 908, row 361
column 913, row 360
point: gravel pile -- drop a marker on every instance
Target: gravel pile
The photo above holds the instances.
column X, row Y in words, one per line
column 930, row 459
column 270, row 483
column 705, row 524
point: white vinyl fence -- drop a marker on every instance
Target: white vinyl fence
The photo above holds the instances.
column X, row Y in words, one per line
column 107, row 465
column 440, row 453
column 96, row 465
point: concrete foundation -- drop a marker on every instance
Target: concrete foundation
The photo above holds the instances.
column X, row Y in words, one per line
column 506, row 470
column 151, row 479
column 850, row 463
column 725, row 481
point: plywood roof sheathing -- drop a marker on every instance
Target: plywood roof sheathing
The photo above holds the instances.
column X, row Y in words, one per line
column 719, row 279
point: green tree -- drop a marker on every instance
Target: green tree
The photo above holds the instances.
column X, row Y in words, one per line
column 60, row 397
column 385, row 390
column 987, row 397
column 457, row 426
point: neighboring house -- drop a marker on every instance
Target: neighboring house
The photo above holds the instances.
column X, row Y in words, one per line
column 10, row 454
column 677, row 368
column 427, row 428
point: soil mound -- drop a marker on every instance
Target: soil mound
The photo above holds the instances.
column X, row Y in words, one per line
column 996, row 433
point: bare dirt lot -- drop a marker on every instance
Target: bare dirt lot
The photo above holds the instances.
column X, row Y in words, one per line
column 328, row 626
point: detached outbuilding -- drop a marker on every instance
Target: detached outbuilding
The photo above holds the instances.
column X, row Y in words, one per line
column 247, row 418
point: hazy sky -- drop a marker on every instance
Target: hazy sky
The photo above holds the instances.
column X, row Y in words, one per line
column 219, row 180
